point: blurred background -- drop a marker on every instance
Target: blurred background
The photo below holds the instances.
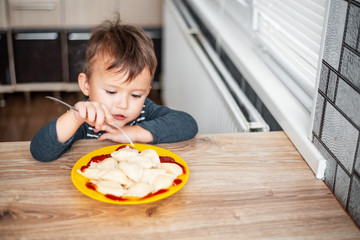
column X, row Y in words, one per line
column 42, row 49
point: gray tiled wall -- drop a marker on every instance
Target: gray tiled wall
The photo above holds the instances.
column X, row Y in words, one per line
column 337, row 113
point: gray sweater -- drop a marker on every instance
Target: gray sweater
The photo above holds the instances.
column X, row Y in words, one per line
column 166, row 126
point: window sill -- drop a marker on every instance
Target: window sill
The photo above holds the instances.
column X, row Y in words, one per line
column 291, row 115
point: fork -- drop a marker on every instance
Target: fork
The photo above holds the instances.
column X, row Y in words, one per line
column 72, row 107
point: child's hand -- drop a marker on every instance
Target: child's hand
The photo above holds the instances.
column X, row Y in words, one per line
column 95, row 114
column 135, row 133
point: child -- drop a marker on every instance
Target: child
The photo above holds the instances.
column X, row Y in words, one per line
column 119, row 67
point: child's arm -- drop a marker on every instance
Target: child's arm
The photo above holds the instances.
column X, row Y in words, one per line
column 45, row 146
column 167, row 125
column 54, row 139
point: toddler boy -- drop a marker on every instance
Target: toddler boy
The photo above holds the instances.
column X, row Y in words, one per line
column 119, row 66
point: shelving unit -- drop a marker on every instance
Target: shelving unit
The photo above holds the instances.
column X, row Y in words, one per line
column 42, row 42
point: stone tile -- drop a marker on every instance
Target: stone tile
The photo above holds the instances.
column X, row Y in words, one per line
column 331, row 85
column 342, row 184
column 350, row 67
column 348, row 100
column 354, row 200
column 352, row 28
column 339, row 136
column 335, row 32
column 318, row 114
column 331, row 165
column 357, row 160
column 323, row 78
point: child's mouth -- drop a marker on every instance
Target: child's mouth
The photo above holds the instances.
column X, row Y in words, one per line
column 119, row 117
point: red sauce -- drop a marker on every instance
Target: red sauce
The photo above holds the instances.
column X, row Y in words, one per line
column 115, row 198
column 90, row 185
column 83, row 168
column 177, row 182
column 154, row 194
column 95, row 159
column 99, row 158
column 124, row 146
column 167, row 159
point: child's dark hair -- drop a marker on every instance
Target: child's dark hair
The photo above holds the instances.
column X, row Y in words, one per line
column 128, row 48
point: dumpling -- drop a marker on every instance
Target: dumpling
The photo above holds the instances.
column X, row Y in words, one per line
column 108, row 163
column 116, row 175
column 149, row 175
column 163, row 181
column 124, row 154
column 109, row 187
column 152, row 155
column 142, row 161
column 139, row 189
column 91, row 173
column 132, row 170
column 172, row 168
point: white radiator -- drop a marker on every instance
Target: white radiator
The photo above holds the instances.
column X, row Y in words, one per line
column 196, row 81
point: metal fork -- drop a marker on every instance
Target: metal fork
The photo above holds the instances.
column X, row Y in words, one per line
column 72, row 107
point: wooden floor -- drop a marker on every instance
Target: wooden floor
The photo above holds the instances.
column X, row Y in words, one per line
column 22, row 115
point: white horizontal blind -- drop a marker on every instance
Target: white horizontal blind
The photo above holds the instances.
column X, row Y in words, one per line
column 286, row 34
column 291, row 31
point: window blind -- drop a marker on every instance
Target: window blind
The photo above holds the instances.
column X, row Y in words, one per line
column 291, row 32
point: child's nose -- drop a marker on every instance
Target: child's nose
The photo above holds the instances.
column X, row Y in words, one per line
column 122, row 102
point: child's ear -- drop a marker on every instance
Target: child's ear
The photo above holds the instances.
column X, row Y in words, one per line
column 148, row 91
column 83, row 84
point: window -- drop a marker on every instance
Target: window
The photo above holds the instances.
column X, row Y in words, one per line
column 288, row 34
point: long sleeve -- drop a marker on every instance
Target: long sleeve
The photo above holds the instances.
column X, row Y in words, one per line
column 45, row 146
column 167, row 125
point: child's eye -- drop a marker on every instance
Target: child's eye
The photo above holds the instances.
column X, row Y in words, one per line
column 136, row 95
column 110, row 91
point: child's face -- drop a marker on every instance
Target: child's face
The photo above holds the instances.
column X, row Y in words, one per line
column 124, row 99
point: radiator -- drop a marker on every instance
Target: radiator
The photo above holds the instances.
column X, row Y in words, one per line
column 196, row 81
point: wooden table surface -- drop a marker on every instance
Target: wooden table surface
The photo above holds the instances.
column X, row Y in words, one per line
column 241, row 186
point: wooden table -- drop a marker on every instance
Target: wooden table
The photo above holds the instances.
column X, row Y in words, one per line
column 241, row 186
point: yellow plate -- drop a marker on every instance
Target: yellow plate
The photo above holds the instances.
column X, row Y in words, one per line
column 80, row 181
